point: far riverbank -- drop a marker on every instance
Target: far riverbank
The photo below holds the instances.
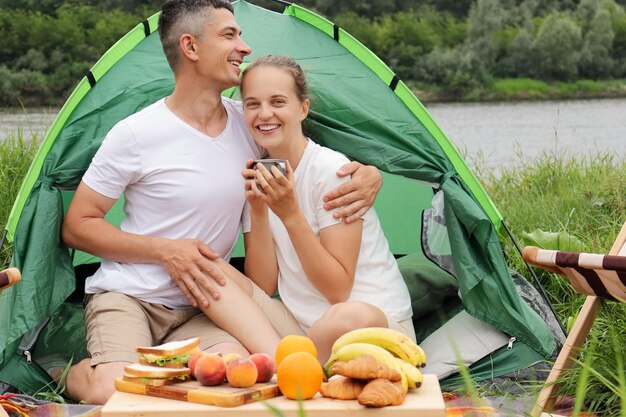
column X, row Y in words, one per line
column 524, row 89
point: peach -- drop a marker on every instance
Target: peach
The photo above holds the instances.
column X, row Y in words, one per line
column 193, row 360
column 264, row 366
column 241, row 373
column 230, row 356
column 210, row 369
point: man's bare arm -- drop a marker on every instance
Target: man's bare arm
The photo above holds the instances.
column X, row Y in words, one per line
column 186, row 260
column 356, row 196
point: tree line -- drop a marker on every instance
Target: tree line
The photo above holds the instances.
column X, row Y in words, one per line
column 458, row 45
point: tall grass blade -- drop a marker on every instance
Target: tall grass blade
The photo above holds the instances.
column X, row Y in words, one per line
column 581, row 388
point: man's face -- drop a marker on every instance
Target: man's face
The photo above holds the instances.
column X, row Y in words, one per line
column 221, row 49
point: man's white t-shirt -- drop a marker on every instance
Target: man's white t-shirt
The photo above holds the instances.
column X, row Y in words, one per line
column 377, row 281
column 178, row 183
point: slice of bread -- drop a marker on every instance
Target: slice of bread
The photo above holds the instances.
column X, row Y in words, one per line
column 146, row 371
column 171, row 348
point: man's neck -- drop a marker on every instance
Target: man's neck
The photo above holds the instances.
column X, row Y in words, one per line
column 202, row 109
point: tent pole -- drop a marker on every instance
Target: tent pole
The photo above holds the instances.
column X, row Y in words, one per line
column 532, row 272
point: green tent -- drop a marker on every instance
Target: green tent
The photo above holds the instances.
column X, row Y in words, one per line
column 360, row 108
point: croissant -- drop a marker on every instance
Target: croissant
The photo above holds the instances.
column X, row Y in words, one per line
column 342, row 388
column 365, row 367
column 380, row 393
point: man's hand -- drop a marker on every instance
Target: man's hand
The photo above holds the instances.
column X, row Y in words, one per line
column 190, row 263
column 357, row 195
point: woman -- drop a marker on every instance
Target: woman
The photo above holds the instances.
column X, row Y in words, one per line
column 332, row 276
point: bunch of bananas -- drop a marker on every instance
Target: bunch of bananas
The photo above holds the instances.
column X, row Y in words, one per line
column 388, row 346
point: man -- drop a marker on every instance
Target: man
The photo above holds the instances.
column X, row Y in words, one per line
column 178, row 164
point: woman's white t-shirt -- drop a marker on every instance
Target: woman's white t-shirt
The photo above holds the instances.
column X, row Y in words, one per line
column 377, row 281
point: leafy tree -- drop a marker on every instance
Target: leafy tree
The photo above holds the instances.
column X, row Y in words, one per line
column 458, row 44
column 34, row 60
column 596, row 60
column 586, row 11
column 408, row 28
column 457, row 8
column 109, row 27
column 8, row 90
column 486, row 17
column 51, row 6
column 520, row 54
column 453, row 31
column 457, row 70
column 366, row 8
column 547, row 7
column 618, row 19
column 556, row 48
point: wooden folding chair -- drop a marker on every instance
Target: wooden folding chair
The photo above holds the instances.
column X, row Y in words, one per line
column 600, row 277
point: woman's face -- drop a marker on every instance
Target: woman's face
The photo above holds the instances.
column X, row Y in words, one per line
column 273, row 111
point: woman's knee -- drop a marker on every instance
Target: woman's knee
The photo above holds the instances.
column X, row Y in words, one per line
column 354, row 315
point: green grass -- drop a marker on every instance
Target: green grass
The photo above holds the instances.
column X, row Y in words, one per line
column 503, row 89
column 584, row 197
column 526, row 87
column 529, row 89
column 16, row 154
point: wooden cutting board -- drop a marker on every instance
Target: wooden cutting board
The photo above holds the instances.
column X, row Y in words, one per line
column 222, row 395
column 424, row 402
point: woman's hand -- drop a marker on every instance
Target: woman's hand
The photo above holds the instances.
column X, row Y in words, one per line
column 253, row 195
column 277, row 190
column 356, row 196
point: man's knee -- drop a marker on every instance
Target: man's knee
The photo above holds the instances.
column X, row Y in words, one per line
column 94, row 385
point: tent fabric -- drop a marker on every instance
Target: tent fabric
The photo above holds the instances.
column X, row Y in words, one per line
column 376, row 125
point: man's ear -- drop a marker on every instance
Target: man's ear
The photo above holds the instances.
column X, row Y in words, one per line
column 188, row 46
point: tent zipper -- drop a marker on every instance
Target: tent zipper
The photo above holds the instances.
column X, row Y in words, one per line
column 29, row 339
column 512, row 340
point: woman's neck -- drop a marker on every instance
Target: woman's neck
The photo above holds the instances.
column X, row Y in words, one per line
column 291, row 152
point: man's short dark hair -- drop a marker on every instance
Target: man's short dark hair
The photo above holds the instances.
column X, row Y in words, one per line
column 184, row 16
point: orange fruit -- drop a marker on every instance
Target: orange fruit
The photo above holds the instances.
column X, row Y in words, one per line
column 294, row 343
column 299, row 376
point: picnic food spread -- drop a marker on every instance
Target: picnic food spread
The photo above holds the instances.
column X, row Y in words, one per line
column 374, row 366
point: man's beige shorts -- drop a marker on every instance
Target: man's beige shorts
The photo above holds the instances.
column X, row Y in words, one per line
column 116, row 324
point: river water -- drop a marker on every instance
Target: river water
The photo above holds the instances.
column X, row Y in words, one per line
column 489, row 135
column 515, row 133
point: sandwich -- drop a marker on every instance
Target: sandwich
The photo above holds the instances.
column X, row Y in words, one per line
column 169, row 355
column 155, row 375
